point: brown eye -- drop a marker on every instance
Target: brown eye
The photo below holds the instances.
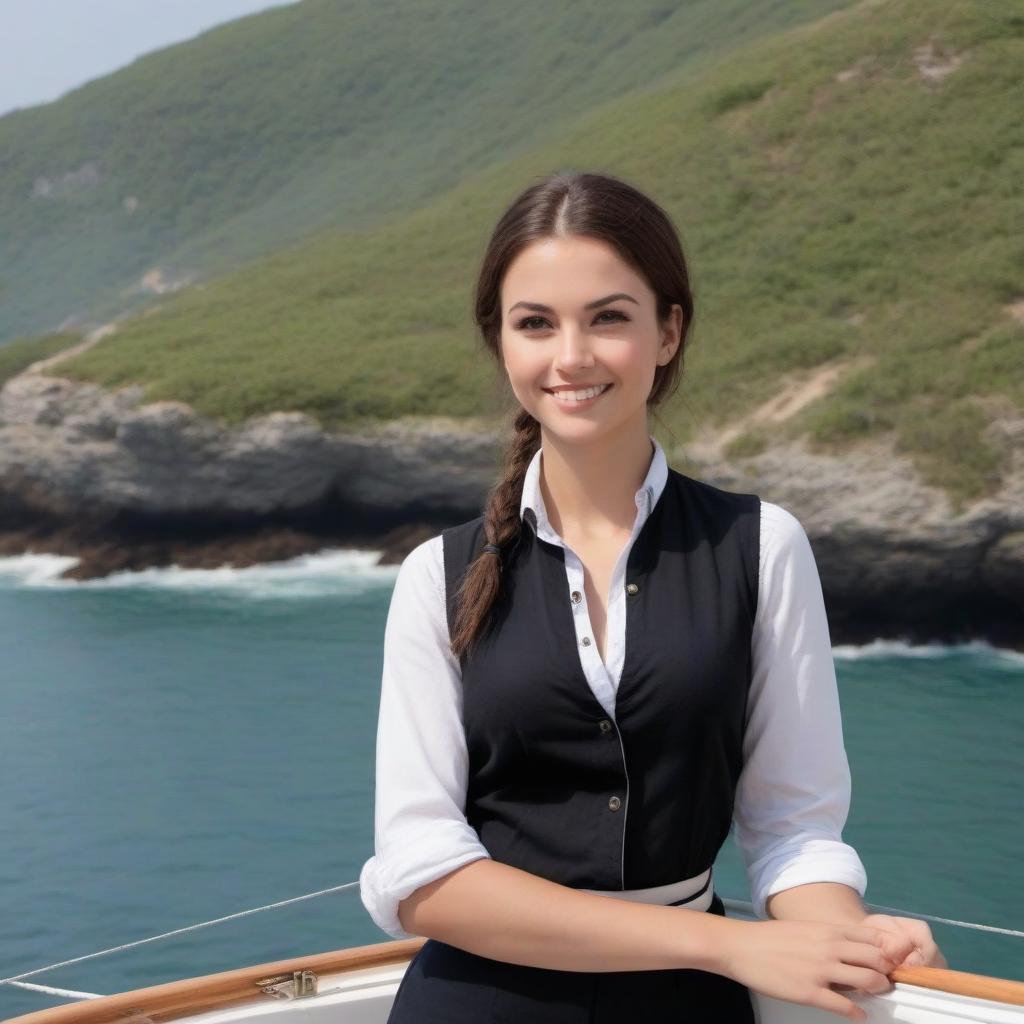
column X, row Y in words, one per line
column 524, row 324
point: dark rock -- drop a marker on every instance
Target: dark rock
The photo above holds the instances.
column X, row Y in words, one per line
column 123, row 485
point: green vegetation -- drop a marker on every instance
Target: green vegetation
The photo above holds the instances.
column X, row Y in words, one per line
column 747, row 444
column 19, row 354
column 205, row 154
column 834, row 202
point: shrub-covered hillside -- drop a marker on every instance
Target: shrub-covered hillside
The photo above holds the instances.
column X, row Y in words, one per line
column 222, row 148
column 849, row 195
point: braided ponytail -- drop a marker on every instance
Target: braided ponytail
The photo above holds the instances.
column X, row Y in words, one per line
column 482, row 581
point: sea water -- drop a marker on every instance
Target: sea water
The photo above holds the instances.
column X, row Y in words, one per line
column 183, row 745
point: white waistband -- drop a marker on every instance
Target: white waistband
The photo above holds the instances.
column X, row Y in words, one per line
column 671, row 893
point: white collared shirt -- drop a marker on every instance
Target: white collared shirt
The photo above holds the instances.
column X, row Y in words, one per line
column 793, row 794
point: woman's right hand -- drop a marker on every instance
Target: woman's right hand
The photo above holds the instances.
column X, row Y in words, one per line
column 799, row 961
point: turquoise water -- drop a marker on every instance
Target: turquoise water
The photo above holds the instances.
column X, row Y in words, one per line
column 178, row 745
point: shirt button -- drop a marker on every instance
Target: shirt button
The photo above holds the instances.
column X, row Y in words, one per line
column 632, row 588
column 614, row 803
column 576, row 597
column 586, row 641
column 605, row 724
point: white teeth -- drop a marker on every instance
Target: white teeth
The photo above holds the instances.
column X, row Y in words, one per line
column 579, row 396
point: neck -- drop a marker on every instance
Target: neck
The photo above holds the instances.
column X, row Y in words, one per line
column 590, row 489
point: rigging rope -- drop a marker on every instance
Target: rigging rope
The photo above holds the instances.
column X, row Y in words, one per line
column 70, row 994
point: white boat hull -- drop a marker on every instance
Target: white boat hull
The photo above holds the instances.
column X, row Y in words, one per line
column 358, row 986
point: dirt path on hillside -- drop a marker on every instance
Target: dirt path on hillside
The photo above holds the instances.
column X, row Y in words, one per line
column 92, row 338
column 797, row 392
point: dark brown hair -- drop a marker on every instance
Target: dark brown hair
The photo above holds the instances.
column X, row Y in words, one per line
column 598, row 206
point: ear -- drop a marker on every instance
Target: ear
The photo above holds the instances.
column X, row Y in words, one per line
column 671, row 335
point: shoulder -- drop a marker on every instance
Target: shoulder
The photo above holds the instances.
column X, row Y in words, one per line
column 418, row 604
column 464, row 531
column 723, row 512
column 422, row 569
column 771, row 536
column 425, row 563
column 709, row 494
column 780, row 528
column 726, row 522
column 459, row 545
column 782, row 533
column 788, row 570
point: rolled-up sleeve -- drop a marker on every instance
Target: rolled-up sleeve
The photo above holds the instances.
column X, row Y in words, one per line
column 793, row 794
column 420, row 828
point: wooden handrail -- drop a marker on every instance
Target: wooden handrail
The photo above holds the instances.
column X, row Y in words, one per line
column 960, row 983
column 176, row 999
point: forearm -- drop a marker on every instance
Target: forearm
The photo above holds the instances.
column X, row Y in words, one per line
column 499, row 911
column 832, row 902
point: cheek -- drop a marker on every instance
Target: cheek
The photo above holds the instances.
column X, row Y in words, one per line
column 636, row 362
column 627, row 364
column 524, row 368
column 523, row 378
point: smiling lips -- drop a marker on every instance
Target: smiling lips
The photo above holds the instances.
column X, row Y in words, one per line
column 577, row 396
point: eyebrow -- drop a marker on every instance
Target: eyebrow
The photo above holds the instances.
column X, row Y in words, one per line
column 539, row 307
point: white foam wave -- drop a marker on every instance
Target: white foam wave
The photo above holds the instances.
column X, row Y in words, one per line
column 905, row 649
column 33, row 569
column 331, row 571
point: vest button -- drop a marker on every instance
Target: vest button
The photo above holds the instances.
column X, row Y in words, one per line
column 632, row 588
column 586, row 641
column 605, row 724
column 576, row 597
column 614, row 803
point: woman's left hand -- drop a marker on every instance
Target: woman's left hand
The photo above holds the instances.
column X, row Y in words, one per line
column 925, row 952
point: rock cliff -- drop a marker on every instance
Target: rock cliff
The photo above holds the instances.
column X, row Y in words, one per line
column 124, row 485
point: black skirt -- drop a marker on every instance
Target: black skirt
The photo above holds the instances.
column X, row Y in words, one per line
column 447, row 985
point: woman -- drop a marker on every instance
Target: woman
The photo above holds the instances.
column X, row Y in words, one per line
column 584, row 685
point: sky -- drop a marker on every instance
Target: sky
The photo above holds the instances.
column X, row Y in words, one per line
column 48, row 47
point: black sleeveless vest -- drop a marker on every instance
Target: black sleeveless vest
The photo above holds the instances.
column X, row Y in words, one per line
column 556, row 787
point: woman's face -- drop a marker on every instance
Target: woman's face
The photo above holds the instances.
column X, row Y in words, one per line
column 598, row 329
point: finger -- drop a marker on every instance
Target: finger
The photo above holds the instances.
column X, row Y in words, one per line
column 895, row 943
column 860, row 954
column 885, row 938
column 924, row 951
column 920, row 931
column 899, row 947
column 862, row 978
column 924, row 940
column 929, row 948
column 920, row 958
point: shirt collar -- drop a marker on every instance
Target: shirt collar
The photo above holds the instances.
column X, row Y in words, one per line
column 646, row 497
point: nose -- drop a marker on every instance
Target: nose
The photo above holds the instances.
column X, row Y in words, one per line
column 573, row 350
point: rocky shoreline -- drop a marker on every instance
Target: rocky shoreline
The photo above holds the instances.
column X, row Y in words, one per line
column 100, row 553
column 122, row 485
